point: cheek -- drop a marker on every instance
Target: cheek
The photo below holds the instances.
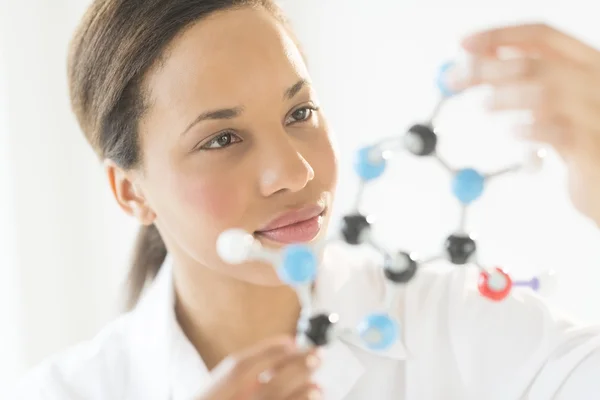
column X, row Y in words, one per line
column 213, row 199
column 325, row 163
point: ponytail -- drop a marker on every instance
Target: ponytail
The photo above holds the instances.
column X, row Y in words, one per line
column 148, row 256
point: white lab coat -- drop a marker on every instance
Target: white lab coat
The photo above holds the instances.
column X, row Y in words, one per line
column 454, row 345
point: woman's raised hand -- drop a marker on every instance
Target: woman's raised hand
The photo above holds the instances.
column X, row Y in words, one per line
column 557, row 78
column 272, row 370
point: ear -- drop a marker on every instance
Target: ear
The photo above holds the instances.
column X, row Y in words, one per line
column 126, row 189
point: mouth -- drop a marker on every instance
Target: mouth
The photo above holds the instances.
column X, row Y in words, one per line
column 299, row 226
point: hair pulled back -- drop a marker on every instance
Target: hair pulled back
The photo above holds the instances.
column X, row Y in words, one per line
column 116, row 43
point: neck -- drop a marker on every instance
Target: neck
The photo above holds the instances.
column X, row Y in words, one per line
column 221, row 315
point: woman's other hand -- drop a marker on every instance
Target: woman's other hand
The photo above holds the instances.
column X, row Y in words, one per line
column 557, row 78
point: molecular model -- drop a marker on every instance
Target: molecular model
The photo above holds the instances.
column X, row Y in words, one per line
column 297, row 264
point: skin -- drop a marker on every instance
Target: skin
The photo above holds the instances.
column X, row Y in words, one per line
column 556, row 77
column 200, row 178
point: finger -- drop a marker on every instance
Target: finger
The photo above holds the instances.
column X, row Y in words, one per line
column 553, row 134
column 536, row 100
column 576, row 98
column 561, row 121
column 492, row 71
column 291, row 375
column 309, row 392
column 522, row 96
column 547, row 89
column 246, row 367
column 563, row 76
column 532, row 37
column 267, row 345
column 551, row 122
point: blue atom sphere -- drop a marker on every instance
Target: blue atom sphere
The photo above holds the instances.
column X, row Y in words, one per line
column 299, row 265
column 367, row 168
column 378, row 331
column 442, row 79
column 468, row 185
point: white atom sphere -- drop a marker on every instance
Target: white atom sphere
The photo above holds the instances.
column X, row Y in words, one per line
column 234, row 246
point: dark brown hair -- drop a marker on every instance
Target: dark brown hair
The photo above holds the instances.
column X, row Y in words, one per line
column 117, row 42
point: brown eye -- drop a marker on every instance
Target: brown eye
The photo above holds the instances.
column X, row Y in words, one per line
column 221, row 141
column 301, row 115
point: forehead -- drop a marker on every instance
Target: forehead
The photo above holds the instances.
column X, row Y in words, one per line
column 241, row 53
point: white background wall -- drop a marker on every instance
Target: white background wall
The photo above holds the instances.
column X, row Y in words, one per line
column 64, row 245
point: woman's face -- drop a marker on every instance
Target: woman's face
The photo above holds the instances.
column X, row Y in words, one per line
column 233, row 138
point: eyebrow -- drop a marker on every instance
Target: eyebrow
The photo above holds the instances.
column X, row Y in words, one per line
column 231, row 113
column 224, row 113
column 293, row 90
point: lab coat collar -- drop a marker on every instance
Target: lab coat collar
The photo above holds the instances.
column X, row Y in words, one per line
column 172, row 369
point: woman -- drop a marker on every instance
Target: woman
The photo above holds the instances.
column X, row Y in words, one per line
column 206, row 118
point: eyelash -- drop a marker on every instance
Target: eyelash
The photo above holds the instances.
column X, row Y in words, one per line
column 230, row 134
column 311, row 108
column 208, row 146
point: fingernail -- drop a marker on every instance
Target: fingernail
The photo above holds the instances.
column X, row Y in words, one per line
column 312, row 361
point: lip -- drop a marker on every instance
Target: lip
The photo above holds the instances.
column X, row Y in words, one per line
column 300, row 226
column 293, row 217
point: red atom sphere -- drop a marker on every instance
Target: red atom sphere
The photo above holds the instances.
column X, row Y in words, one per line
column 494, row 293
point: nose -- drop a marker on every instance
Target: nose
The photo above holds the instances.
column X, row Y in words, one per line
column 284, row 168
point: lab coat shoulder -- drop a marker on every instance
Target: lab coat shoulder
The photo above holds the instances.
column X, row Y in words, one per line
column 521, row 346
column 128, row 359
column 95, row 369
